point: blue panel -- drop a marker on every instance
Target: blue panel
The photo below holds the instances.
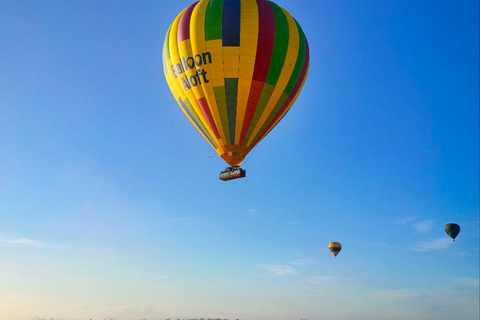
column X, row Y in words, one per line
column 231, row 23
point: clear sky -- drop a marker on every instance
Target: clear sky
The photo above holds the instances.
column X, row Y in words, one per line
column 110, row 203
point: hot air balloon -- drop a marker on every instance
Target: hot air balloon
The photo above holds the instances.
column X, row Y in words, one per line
column 335, row 248
column 452, row 229
column 235, row 67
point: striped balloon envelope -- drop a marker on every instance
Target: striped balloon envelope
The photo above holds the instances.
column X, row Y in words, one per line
column 235, row 68
column 335, row 248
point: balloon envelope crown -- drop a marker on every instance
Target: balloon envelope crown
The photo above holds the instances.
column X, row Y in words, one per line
column 235, row 69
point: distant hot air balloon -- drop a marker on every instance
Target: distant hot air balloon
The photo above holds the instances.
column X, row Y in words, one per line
column 335, row 248
column 452, row 229
column 235, row 67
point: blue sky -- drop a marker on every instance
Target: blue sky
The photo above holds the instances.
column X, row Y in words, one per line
column 110, row 203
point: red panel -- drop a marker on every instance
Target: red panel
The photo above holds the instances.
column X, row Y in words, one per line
column 255, row 92
column 208, row 115
column 266, row 38
column 184, row 24
column 292, row 95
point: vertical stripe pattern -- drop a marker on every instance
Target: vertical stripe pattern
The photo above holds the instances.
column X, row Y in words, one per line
column 235, row 68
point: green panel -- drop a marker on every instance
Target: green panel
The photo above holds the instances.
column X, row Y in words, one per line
column 197, row 120
column 220, row 97
column 262, row 103
column 275, row 110
column 300, row 61
column 231, row 89
column 166, row 47
column 213, row 20
column 280, row 45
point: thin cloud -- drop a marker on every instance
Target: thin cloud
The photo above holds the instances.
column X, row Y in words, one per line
column 29, row 243
column 186, row 219
column 468, row 282
column 22, row 242
column 253, row 212
column 431, row 245
column 420, row 226
column 304, row 262
column 327, row 280
column 405, row 220
column 423, row 226
column 278, row 270
column 401, row 293
column 321, row 280
column 294, row 223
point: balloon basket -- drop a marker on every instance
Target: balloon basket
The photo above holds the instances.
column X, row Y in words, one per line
column 231, row 173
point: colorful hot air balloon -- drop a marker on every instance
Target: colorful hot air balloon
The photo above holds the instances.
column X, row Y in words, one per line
column 235, row 68
column 452, row 229
column 335, row 248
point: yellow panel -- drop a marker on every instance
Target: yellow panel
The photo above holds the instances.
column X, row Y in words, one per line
column 185, row 51
column 292, row 52
column 216, row 49
column 295, row 97
column 285, row 74
column 176, row 95
column 334, row 244
column 197, row 35
column 231, row 61
column 172, row 82
column 288, row 107
column 179, row 94
column 175, row 57
column 248, row 51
